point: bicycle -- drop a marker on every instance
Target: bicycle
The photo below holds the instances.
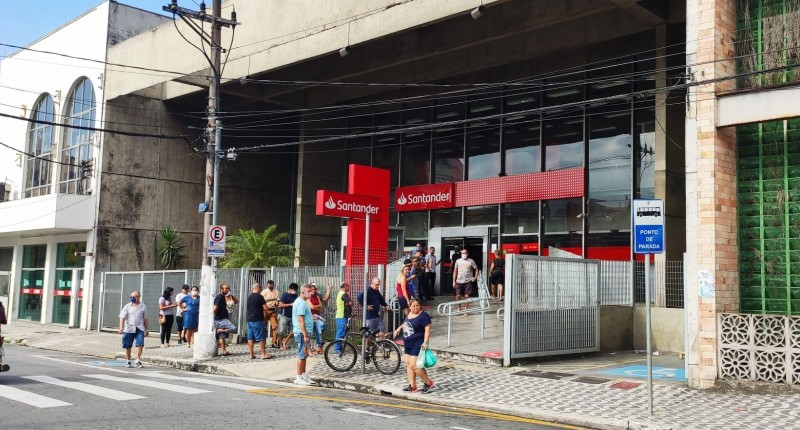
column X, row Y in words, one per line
column 383, row 353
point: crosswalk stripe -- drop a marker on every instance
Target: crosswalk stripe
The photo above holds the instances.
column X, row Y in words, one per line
column 32, row 399
column 86, row 388
column 202, row 381
column 151, row 384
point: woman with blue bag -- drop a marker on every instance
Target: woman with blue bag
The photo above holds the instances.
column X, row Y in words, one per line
column 416, row 332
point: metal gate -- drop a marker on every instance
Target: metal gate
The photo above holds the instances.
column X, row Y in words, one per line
column 551, row 306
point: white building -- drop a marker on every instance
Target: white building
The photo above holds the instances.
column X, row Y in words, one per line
column 48, row 174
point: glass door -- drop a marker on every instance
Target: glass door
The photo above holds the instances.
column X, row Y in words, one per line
column 451, row 251
column 68, row 288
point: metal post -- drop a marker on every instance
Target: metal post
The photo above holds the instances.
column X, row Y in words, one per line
column 364, row 304
column 647, row 335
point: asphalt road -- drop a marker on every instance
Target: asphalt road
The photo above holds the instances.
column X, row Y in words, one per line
column 47, row 389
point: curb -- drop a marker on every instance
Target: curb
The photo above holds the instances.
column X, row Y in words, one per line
column 536, row 414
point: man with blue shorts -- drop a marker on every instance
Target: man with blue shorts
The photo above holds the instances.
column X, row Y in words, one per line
column 303, row 324
column 256, row 311
column 133, row 326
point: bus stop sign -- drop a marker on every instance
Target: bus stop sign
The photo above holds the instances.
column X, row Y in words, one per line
column 648, row 226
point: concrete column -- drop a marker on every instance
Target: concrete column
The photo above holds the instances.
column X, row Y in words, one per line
column 710, row 187
column 48, row 285
column 14, row 283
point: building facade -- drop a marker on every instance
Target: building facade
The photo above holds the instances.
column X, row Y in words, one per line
column 48, row 204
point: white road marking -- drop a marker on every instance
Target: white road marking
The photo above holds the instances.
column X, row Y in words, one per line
column 359, row 411
column 151, row 384
column 32, row 399
column 86, row 388
column 82, row 364
column 460, row 428
column 202, row 381
column 260, row 381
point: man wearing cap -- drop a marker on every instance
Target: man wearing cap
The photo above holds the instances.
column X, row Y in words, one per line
column 285, row 304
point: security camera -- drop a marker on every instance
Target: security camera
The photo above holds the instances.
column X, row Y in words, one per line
column 477, row 12
column 344, row 51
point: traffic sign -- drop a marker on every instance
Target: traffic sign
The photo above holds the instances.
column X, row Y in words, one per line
column 648, row 226
column 216, row 242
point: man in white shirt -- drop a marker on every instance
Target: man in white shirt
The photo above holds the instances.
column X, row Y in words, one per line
column 133, row 326
column 430, row 267
column 464, row 274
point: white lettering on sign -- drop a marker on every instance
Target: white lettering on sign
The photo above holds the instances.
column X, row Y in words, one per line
column 353, row 207
column 649, row 231
column 423, row 198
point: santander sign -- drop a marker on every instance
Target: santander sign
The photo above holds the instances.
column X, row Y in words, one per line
column 424, row 197
column 343, row 205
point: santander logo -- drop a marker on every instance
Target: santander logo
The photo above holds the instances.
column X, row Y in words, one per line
column 330, row 204
column 415, row 199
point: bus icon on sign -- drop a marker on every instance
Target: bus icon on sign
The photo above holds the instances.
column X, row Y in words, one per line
column 648, row 211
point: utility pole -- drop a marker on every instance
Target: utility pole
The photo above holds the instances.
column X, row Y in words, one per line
column 205, row 346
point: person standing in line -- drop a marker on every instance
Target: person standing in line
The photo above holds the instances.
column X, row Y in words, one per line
column 285, row 305
column 317, row 304
column 430, row 267
column 256, row 314
column 133, row 326
column 344, row 309
column 179, row 313
column 222, row 322
column 497, row 277
column 271, row 296
column 413, row 277
column 464, row 274
column 166, row 315
column 303, row 324
column 375, row 305
column 403, row 295
column 191, row 314
column 416, row 332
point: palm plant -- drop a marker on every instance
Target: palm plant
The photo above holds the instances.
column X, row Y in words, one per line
column 170, row 248
column 269, row 248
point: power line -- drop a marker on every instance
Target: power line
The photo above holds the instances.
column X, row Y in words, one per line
column 41, row 157
column 104, row 130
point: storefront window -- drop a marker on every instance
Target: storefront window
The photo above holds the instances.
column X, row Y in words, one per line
column 610, row 168
column 481, row 215
column 563, row 227
column 448, row 146
column 446, row 217
column 521, row 218
column 69, row 269
column 483, row 136
column 416, row 224
column 562, row 135
column 416, row 149
column 521, row 134
column 32, row 282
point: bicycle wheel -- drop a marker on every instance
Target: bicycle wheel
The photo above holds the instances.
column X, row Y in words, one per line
column 340, row 355
column 386, row 356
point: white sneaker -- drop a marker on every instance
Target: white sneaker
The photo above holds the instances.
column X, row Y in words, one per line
column 129, row 365
column 301, row 381
column 309, row 380
column 139, row 364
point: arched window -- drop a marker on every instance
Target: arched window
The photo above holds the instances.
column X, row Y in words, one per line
column 77, row 148
column 41, row 136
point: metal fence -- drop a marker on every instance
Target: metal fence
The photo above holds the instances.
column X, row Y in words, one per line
column 666, row 283
column 117, row 286
column 551, row 306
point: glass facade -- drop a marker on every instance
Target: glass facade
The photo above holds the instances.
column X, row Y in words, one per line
column 41, row 138
column 69, row 269
column 32, row 282
column 768, row 183
column 575, row 120
column 77, row 147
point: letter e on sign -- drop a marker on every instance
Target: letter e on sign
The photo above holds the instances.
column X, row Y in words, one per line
column 217, row 233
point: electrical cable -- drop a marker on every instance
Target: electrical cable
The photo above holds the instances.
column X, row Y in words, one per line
column 104, row 130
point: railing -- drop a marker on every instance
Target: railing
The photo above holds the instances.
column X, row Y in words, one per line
column 470, row 306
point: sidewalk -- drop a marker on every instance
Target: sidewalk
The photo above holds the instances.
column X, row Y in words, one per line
column 568, row 396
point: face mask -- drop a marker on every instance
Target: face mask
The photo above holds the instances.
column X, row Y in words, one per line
column 194, row 293
column 133, row 299
column 463, row 255
column 228, row 293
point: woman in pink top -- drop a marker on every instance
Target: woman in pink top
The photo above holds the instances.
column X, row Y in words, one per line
column 403, row 296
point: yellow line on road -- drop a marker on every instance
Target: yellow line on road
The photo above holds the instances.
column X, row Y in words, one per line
column 415, row 408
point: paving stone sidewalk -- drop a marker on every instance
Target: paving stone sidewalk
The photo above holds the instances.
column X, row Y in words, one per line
column 576, row 400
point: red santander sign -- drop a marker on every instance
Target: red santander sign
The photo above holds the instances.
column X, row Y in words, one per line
column 423, row 197
column 343, row 205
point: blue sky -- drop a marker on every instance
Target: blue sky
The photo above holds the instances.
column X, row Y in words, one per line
column 27, row 20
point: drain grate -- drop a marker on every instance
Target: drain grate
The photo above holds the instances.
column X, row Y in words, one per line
column 591, row 380
column 625, row 385
column 46, row 332
column 539, row 374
